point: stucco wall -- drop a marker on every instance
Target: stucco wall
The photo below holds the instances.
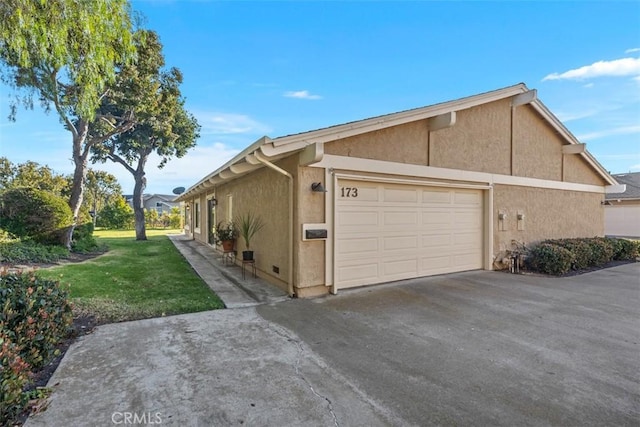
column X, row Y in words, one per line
column 265, row 193
column 548, row 214
column 479, row 141
column 403, row 144
column 310, row 255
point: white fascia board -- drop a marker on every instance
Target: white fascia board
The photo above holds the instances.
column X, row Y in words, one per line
column 574, row 149
column 569, row 137
column 613, row 189
column 395, row 119
column 241, row 168
column 343, row 163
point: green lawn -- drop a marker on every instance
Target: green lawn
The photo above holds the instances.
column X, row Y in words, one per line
column 134, row 279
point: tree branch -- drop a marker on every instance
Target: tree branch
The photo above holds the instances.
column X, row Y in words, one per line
column 56, row 101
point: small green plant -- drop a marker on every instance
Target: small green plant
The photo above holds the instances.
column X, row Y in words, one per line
column 18, row 251
column 248, row 225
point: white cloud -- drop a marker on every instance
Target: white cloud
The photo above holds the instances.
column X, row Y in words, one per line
column 588, row 85
column 635, row 49
column 216, row 123
column 567, row 117
column 617, row 67
column 635, row 167
column 301, row 94
column 623, row 130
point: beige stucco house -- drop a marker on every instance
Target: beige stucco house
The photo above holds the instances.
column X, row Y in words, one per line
column 622, row 210
column 439, row 189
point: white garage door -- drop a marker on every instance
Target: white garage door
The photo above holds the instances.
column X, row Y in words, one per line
column 622, row 221
column 388, row 232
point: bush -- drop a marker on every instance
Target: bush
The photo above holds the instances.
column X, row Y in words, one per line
column 17, row 251
column 27, row 212
column 35, row 315
column 580, row 249
column 550, row 259
column 625, row 250
column 83, row 240
column 601, row 251
column 118, row 215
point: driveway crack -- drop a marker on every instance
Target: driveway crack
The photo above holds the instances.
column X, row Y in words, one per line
column 300, row 375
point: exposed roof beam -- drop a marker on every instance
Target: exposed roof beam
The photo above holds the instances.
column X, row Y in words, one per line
column 442, row 121
column 524, row 98
column 574, row 149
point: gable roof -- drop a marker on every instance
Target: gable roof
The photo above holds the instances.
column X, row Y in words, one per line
column 632, row 182
column 275, row 149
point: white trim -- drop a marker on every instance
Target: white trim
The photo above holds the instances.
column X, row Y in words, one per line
column 329, row 216
column 402, row 169
column 409, row 181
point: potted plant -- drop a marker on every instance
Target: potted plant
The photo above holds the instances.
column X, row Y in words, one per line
column 226, row 235
column 248, row 225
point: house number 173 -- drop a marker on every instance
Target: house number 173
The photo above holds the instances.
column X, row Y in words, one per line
column 349, row 192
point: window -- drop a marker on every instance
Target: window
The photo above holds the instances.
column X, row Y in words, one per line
column 158, row 204
column 196, row 215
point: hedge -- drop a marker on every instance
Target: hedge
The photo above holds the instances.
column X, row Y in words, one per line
column 35, row 315
column 558, row 257
column 36, row 214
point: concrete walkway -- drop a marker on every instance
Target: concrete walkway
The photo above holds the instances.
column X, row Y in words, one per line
column 226, row 280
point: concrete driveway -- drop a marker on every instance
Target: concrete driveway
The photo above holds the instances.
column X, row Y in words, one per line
column 486, row 348
column 478, row 348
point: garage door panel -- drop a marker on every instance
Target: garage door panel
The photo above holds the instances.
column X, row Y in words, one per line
column 404, row 231
column 405, row 267
column 394, row 243
column 359, row 245
column 400, row 195
column 359, row 273
column 472, row 198
column 436, row 218
column 436, row 240
column 402, row 219
column 436, row 196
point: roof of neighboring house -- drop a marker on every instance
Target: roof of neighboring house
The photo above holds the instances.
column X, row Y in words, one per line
column 164, row 197
column 632, row 182
column 265, row 148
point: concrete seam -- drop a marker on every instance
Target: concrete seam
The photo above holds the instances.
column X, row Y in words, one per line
column 299, row 374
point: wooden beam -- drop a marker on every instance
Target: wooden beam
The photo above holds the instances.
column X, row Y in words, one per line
column 442, row 121
column 524, row 98
column 574, row 148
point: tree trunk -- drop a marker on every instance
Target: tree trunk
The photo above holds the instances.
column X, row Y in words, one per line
column 138, row 204
column 79, row 174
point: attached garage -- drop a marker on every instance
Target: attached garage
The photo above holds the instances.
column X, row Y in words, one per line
column 445, row 188
column 386, row 231
column 622, row 210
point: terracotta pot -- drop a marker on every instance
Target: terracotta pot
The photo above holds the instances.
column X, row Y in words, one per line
column 227, row 245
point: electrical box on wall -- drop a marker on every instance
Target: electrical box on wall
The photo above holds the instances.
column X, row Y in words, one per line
column 314, row 232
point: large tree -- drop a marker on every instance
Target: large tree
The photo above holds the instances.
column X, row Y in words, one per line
column 101, row 189
column 32, row 174
column 163, row 125
column 64, row 53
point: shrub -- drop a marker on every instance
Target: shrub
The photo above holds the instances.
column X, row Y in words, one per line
column 35, row 315
column 27, row 212
column 117, row 215
column 15, row 375
column 83, row 240
column 17, row 251
column 550, row 259
column 625, row 250
column 580, row 249
column 601, row 251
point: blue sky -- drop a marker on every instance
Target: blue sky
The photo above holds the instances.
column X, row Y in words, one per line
column 276, row 68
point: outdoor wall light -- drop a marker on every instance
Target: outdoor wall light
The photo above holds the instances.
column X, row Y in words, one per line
column 502, row 216
column 318, row 187
column 214, row 202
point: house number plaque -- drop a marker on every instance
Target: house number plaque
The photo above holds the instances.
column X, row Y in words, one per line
column 349, row 192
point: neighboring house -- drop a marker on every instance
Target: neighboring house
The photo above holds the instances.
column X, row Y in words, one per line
column 622, row 210
column 161, row 203
column 439, row 189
